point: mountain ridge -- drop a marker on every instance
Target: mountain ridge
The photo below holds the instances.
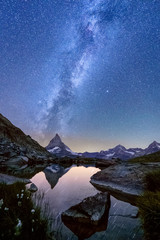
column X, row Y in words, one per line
column 57, row 147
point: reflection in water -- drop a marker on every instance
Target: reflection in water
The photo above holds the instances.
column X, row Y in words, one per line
column 71, row 188
column 85, row 230
column 53, row 173
column 67, row 187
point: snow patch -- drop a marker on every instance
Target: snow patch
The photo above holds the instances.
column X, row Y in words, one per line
column 129, row 152
column 54, row 150
column 110, row 154
column 53, row 169
column 69, row 150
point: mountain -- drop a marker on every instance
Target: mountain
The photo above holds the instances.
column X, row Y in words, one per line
column 117, row 152
column 122, row 153
column 57, row 147
column 152, row 148
column 17, row 147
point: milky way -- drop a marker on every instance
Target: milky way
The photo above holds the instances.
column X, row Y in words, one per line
column 88, row 35
column 88, row 70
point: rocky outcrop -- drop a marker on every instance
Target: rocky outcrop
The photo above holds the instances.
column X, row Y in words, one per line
column 90, row 210
column 11, row 179
column 89, row 216
column 124, row 181
column 33, row 188
column 106, row 163
column 13, row 134
column 18, row 149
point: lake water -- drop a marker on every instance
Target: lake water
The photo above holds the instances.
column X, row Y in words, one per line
column 65, row 187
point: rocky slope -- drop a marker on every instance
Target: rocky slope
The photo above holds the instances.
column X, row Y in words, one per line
column 17, row 148
column 12, row 179
column 90, row 210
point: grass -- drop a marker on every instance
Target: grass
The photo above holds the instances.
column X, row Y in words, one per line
column 149, row 206
column 154, row 157
column 149, row 209
column 20, row 216
column 152, row 180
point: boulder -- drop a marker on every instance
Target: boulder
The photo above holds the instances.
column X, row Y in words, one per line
column 124, row 181
column 7, row 179
column 103, row 163
column 33, row 188
column 90, row 211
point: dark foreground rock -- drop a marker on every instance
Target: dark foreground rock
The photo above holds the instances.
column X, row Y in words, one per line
column 33, row 188
column 124, row 181
column 89, row 216
column 90, row 210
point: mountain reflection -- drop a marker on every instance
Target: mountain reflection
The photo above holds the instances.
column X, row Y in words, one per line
column 53, row 173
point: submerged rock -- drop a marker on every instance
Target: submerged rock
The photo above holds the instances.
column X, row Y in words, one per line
column 91, row 210
column 33, row 188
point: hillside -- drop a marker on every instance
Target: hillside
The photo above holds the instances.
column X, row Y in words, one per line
column 13, row 134
column 154, row 157
column 17, row 148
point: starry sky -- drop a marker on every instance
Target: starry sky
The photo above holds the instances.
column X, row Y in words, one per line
column 86, row 69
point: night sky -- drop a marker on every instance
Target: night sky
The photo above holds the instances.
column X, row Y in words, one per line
column 88, row 70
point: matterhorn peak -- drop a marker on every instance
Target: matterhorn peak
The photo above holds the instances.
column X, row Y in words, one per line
column 57, row 137
column 55, row 142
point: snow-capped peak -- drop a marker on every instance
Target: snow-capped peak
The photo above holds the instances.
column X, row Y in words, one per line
column 56, row 146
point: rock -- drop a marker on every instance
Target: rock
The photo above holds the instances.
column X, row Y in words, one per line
column 9, row 154
column 24, row 158
column 33, row 188
column 124, row 181
column 105, row 163
column 20, row 160
column 4, row 178
column 90, row 211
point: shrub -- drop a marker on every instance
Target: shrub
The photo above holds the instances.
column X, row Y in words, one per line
column 20, row 218
column 149, row 209
column 152, row 181
column 153, row 157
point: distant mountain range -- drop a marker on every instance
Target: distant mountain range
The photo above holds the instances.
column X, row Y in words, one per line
column 57, row 147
